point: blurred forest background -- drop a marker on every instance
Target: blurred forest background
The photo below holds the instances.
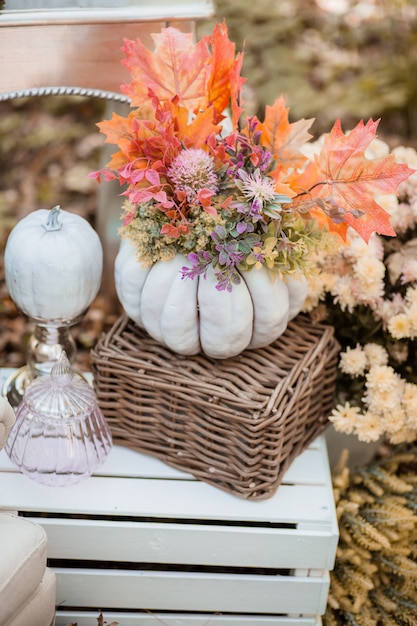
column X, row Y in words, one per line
column 352, row 59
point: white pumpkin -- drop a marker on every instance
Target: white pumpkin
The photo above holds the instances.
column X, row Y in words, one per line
column 53, row 264
column 191, row 316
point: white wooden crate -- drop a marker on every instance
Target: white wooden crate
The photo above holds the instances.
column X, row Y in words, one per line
column 148, row 544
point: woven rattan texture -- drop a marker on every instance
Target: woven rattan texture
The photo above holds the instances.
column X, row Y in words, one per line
column 236, row 423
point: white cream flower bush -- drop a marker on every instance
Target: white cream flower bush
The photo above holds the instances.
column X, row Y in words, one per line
column 368, row 291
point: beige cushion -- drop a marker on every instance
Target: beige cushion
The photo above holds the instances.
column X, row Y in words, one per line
column 22, row 565
column 40, row 608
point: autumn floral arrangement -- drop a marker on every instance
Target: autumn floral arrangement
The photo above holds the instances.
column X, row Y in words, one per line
column 369, row 293
column 226, row 190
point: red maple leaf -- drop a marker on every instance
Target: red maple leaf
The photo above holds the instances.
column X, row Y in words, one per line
column 342, row 177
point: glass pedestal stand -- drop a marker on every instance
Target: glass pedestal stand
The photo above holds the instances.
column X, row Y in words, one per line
column 47, row 342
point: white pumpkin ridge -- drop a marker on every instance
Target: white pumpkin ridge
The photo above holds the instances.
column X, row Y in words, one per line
column 192, row 316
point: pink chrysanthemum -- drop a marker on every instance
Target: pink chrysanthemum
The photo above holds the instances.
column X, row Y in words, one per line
column 192, row 171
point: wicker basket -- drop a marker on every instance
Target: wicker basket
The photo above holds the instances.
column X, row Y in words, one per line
column 236, row 423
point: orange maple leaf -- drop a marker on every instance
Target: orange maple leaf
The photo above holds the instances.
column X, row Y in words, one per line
column 224, row 82
column 118, row 130
column 176, row 67
column 236, row 83
column 194, row 133
column 197, row 74
column 282, row 138
column 343, row 178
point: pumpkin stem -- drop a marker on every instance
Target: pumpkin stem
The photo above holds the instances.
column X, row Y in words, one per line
column 52, row 222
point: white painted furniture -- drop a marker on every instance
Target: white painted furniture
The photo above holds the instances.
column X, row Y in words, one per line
column 140, row 536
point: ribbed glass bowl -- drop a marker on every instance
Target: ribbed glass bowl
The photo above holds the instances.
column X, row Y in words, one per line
column 60, row 435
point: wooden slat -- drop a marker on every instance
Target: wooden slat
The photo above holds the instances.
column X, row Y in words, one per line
column 125, row 463
column 191, row 591
column 309, row 468
column 85, row 618
column 152, row 542
column 308, row 505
